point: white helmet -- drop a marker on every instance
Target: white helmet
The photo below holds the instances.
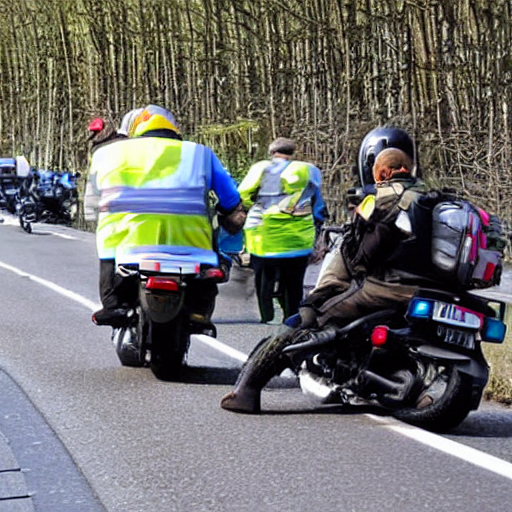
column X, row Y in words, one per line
column 128, row 120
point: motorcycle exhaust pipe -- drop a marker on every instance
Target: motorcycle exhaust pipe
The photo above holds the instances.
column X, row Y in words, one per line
column 319, row 388
column 396, row 389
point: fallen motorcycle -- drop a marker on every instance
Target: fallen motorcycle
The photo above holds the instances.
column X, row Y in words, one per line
column 157, row 330
column 426, row 367
column 49, row 197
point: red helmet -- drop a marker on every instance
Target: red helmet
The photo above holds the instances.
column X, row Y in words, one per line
column 96, row 125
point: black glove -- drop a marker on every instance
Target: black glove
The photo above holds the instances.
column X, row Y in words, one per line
column 308, row 317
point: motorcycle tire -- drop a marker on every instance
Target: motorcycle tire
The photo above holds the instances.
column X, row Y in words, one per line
column 130, row 343
column 25, row 226
column 169, row 346
column 127, row 349
column 446, row 411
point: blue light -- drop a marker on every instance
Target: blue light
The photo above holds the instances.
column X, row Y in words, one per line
column 494, row 330
column 420, row 308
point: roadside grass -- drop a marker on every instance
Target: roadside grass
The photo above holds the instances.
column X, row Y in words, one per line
column 499, row 357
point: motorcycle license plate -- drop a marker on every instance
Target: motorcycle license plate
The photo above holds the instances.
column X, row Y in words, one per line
column 455, row 337
column 457, row 316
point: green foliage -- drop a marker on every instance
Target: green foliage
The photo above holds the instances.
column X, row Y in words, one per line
column 234, row 144
column 500, row 359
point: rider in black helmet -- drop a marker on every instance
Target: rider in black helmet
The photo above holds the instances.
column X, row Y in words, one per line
column 379, row 266
column 373, row 143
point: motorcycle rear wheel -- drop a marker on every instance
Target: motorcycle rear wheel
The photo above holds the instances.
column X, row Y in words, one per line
column 445, row 411
column 169, row 346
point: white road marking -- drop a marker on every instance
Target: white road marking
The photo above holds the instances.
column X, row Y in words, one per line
column 93, row 306
column 463, row 452
column 62, row 235
column 221, row 347
column 11, row 220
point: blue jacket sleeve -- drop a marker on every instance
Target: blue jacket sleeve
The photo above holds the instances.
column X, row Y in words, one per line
column 320, row 213
column 224, row 186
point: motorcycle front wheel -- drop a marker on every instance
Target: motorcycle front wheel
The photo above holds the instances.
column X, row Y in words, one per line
column 443, row 405
column 24, row 224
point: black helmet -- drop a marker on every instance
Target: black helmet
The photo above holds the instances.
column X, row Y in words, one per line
column 373, row 143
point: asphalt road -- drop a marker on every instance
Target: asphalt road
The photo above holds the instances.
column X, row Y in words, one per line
column 91, row 435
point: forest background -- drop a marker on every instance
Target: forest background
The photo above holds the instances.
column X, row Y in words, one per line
column 238, row 73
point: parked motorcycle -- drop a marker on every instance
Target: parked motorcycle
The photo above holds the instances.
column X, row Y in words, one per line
column 426, row 367
column 157, row 330
column 46, row 196
column 9, row 183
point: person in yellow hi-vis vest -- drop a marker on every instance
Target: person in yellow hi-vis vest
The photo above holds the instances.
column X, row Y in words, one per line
column 286, row 211
column 152, row 191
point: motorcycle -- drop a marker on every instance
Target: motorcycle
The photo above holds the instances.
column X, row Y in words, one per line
column 9, row 183
column 425, row 367
column 46, row 196
column 157, row 329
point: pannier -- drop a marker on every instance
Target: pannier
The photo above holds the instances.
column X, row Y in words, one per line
column 467, row 248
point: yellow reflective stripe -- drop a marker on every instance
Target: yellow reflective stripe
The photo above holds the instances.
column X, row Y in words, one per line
column 117, row 231
column 366, row 207
column 251, row 183
column 136, row 162
column 281, row 234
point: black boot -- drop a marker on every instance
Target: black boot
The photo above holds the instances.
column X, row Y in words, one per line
column 114, row 317
column 263, row 363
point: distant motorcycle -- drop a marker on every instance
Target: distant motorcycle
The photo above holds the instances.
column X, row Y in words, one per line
column 46, row 196
column 157, row 330
column 9, row 183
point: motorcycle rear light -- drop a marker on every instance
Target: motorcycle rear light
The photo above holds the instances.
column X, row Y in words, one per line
column 420, row 308
column 161, row 283
column 489, row 271
column 379, row 336
column 493, row 330
column 214, row 273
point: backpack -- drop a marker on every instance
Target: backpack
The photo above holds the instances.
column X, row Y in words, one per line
column 467, row 248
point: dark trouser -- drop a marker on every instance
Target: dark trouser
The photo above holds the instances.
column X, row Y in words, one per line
column 362, row 299
column 118, row 292
column 288, row 273
column 115, row 291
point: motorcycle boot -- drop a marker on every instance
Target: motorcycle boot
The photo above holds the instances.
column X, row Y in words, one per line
column 116, row 318
column 263, row 363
